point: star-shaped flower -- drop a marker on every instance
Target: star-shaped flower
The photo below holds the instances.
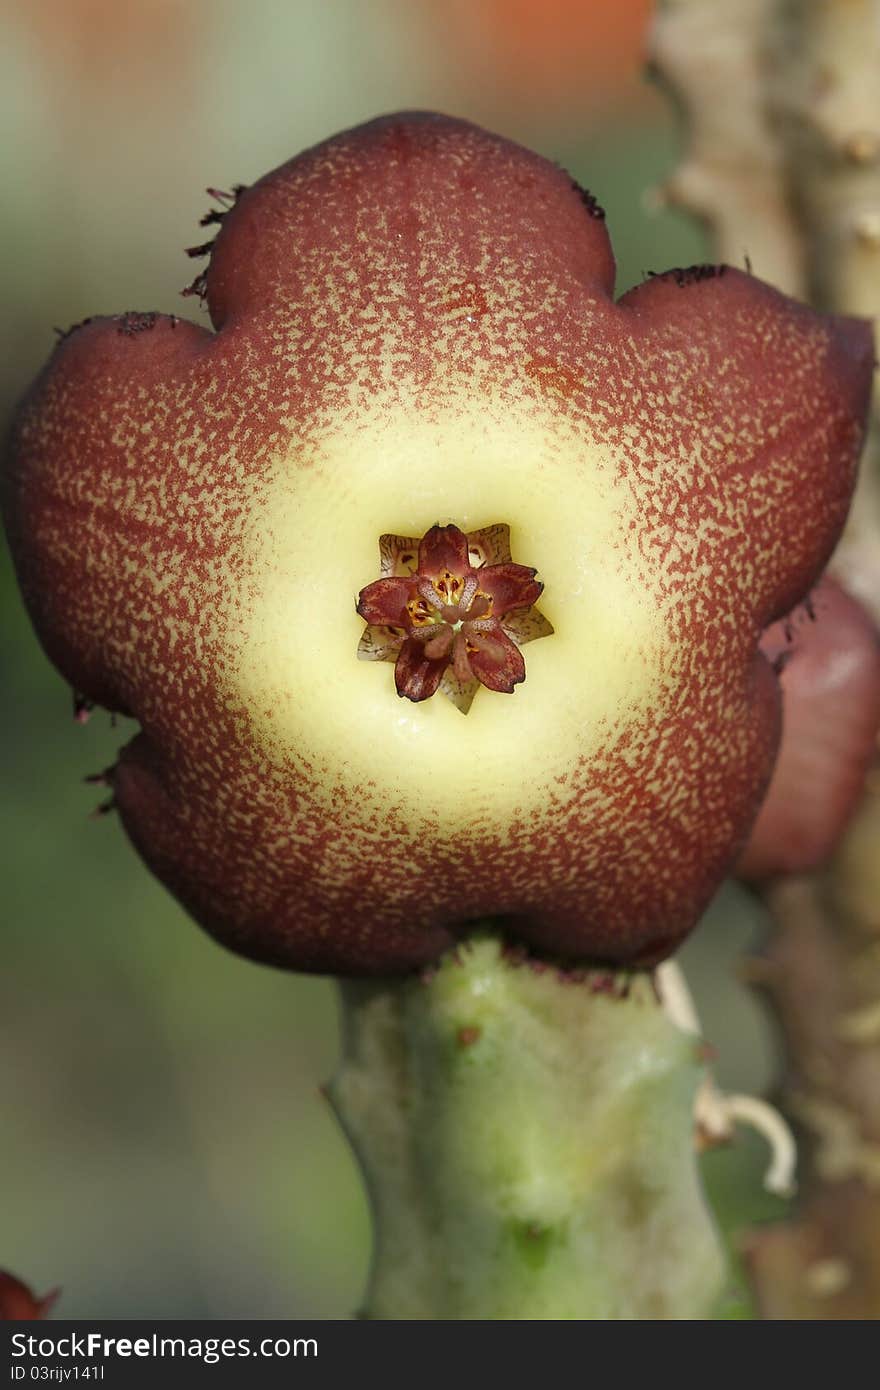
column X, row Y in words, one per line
column 416, row 320
column 452, row 612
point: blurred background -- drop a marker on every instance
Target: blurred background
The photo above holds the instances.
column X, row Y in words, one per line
column 164, row 1148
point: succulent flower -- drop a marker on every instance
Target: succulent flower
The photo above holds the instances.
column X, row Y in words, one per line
column 415, row 337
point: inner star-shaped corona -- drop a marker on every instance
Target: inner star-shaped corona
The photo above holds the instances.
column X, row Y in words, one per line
column 451, row 611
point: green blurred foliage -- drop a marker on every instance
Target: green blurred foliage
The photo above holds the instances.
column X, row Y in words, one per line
column 164, row 1147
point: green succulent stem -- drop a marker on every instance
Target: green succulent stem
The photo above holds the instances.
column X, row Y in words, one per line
column 526, row 1136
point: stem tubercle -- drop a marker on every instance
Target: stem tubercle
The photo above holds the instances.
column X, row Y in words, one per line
column 527, row 1140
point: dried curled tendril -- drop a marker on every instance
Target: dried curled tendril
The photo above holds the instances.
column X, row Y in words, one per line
column 451, row 611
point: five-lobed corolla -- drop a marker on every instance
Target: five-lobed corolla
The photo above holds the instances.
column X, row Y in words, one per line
column 413, row 332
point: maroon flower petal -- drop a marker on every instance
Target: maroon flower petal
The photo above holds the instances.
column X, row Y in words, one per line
column 383, row 604
column 829, row 655
column 443, row 548
column 461, row 665
column 415, row 675
column 510, row 586
column 440, row 645
column 797, row 384
column 497, row 662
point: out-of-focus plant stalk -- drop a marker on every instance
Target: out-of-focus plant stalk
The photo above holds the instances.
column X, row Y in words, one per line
column 527, row 1141
column 781, row 105
column 823, row 94
column 708, row 55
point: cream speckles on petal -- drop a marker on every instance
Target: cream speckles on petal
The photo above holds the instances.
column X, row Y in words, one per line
column 415, row 324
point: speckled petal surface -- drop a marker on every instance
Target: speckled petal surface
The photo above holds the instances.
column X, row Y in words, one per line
column 414, row 324
column 416, row 674
column 443, row 548
column 497, row 662
column 383, row 602
column 509, row 587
